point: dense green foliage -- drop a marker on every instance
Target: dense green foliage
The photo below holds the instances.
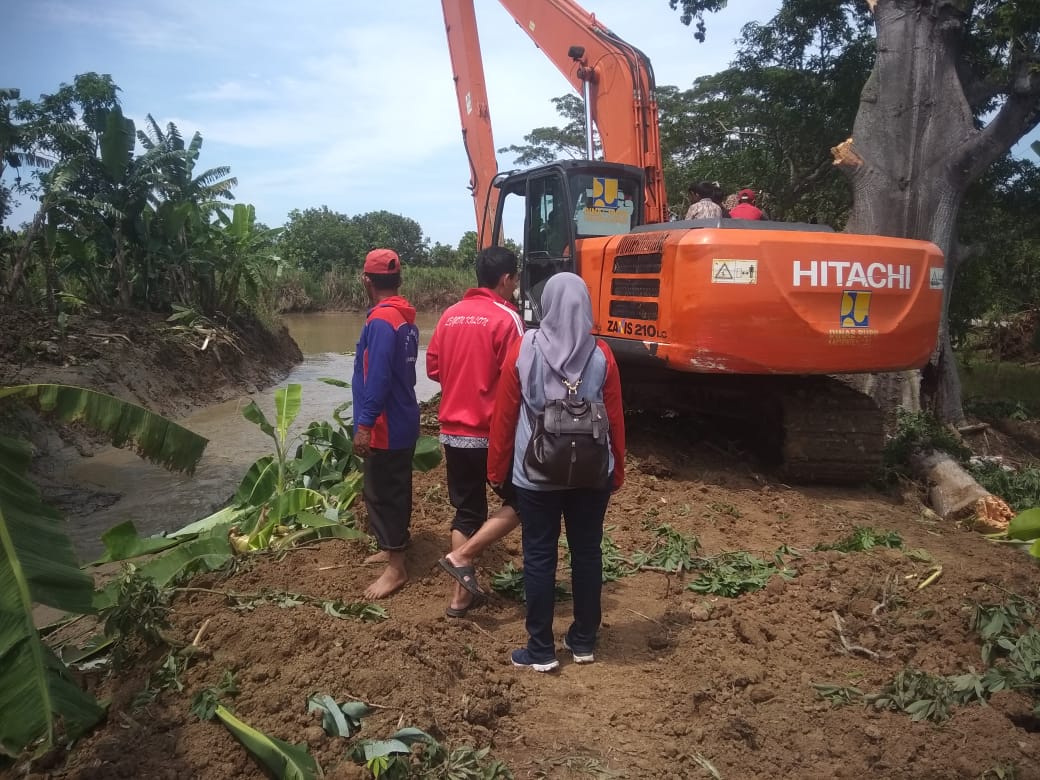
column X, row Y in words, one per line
column 127, row 219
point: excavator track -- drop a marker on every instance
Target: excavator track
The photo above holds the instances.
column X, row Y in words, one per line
column 815, row 429
column 832, row 433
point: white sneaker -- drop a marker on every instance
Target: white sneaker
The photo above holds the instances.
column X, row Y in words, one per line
column 579, row 658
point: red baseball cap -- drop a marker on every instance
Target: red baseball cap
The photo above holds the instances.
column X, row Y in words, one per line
column 748, row 195
column 382, row 261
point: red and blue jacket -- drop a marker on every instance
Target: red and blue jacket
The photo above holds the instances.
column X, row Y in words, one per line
column 384, row 375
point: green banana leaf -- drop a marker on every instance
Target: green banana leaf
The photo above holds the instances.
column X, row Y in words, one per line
column 287, row 402
column 208, row 552
column 259, row 483
column 282, row 760
column 122, row 543
column 1026, row 525
column 256, row 415
column 152, row 436
column 38, row 564
column 427, row 453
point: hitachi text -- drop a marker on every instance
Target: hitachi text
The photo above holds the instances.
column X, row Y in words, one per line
column 845, row 273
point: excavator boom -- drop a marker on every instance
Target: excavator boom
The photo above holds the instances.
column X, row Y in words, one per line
column 585, row 51
column 460, row 24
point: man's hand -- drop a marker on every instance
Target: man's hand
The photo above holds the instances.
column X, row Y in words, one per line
column 362, row 441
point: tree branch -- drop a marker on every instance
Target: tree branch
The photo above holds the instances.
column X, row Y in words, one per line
column 808, row 181
column 1019, row 114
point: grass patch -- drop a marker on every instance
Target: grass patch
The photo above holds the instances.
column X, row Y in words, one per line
column 732, row 574
column 509, row 582
column 1000, row 382
column 1021, row 488
column 1010, row 650
column 918, row 432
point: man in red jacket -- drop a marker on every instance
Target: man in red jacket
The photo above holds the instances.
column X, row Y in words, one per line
column 466, row 355
column 746, row 208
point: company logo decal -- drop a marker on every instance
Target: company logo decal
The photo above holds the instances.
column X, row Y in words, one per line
column 855, row 309
column 604, row 193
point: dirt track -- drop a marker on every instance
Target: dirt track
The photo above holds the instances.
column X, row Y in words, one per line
column 679, row 678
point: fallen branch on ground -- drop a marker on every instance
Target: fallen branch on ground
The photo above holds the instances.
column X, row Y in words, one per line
column 849, row 647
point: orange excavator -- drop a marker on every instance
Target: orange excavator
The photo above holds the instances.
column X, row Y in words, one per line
column 753, row 320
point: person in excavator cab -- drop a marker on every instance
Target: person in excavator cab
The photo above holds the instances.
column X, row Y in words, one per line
column 746, row 208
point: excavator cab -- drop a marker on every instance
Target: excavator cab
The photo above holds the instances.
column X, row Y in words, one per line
column 562, row 204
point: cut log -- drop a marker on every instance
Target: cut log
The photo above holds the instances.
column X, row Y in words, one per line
column 955, row 495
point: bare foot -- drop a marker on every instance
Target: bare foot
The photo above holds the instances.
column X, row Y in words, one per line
column 380, row 557
column 389, row 581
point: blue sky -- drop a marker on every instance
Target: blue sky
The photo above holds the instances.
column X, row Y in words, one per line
column 325, row 102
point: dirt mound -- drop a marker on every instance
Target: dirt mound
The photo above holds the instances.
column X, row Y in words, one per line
column 138, row 356
column 680, row 679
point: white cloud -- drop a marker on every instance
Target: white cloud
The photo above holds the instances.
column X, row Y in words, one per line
column 328, row 102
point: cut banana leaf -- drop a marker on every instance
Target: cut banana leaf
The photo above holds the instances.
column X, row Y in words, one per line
column 427, row 453
column 1026, row 525
column 282, row 760
column 151, row 435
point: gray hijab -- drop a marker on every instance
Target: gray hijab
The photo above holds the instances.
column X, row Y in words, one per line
column 564, row 335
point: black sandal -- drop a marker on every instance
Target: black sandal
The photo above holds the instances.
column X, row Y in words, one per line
column 466, row 576
column 475, row 602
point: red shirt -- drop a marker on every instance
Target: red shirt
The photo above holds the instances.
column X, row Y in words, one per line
column 746, row 211
column 507, row 415
column 466, row 355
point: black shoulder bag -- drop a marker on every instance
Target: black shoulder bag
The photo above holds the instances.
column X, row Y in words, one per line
column 568, row 446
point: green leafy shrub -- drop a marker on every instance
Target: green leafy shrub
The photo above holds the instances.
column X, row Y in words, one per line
column 864, row 538
column 918, row 432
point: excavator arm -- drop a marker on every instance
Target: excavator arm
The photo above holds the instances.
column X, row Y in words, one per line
column 460, row 23
column 621, row 90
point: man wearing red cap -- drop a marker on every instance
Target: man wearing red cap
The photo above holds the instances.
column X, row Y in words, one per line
column 746, row 208
column 386, row 414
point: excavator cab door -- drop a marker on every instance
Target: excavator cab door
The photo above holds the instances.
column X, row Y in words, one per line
column 561, row 204
column 548, row 239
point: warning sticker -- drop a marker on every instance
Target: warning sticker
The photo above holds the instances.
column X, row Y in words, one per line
column 734, row 272
column 935, row 278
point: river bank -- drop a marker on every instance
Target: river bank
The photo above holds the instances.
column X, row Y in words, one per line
column 97, row 486
column 698, row 673
column 171, row 368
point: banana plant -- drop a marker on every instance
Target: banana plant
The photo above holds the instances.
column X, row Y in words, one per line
column 38, row 564
column 300, row 496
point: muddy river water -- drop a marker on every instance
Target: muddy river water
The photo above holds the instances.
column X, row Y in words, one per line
column 156, row 500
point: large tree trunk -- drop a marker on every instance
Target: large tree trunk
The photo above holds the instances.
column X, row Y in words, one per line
column 916, row 147
column 913, row 116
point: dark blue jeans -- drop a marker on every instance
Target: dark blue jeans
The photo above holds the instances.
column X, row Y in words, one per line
column 540, row 512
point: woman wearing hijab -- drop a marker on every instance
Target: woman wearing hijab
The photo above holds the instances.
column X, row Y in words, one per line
column 546, row 364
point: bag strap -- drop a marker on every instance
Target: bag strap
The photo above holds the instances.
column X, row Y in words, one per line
column 572, row 389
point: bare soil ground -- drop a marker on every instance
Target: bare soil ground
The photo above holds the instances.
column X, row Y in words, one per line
column 679, row 679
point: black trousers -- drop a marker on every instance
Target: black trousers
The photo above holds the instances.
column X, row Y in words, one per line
column 388, row 496
column 467, row 488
